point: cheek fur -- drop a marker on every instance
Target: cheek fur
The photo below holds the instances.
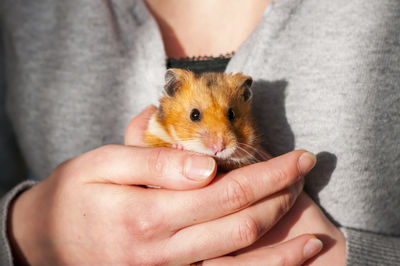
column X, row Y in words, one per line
column 243, row 133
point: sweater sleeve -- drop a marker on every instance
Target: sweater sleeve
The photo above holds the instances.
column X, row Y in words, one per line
column 365, row 248
column 12, row 164
column 6, row 257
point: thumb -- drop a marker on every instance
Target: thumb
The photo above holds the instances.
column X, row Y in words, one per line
column 137, row 126
column 131, row 165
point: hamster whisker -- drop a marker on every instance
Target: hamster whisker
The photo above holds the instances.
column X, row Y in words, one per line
column 248, row 146
column 262, row 156
column 251, row 156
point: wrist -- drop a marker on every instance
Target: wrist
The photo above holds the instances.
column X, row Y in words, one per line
column 6, row 257
column 21, row 228
column 12, row 233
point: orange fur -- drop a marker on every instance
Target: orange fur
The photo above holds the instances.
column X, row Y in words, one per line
column 212, row 94
column 154, row 141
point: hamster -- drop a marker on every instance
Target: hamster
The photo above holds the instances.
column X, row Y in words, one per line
column 208, row 113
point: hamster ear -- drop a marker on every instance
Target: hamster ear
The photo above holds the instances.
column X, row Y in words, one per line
column 171, row 82
column 174, row 79
column 245, row 83
column 247, row 92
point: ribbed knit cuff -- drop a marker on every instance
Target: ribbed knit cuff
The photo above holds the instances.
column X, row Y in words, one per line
column 6, row 257
column 364, row 248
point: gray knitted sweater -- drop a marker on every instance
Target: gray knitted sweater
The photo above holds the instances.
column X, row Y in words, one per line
column 327, row 79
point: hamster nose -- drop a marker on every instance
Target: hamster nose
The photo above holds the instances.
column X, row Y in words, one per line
column 218, row 146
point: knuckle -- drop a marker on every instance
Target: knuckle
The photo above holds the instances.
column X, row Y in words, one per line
column 237, row 195
column 279, row 176
column 156, row 161
column 285, row 202
column 144, row 227
column 69, row 171
column 101, row 155
column 77, row 167
column 247, row 232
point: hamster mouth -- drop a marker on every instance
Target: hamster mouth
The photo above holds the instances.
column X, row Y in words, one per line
column 234, row 153
column 225, row 154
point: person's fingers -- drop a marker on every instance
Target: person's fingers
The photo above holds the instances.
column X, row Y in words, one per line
column 235, row 231
column 239, row 188
column 291, row 253
column 137, row 126
column 130, row 165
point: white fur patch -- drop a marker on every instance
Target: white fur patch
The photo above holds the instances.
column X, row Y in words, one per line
column 174, row 136
column 158, row 130
column 196, row 146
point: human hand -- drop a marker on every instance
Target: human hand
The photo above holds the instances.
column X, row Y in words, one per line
column 293, row 252
column 306, row 217
column 88, row 212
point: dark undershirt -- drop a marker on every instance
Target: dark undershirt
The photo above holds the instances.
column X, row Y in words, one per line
column 201, row 64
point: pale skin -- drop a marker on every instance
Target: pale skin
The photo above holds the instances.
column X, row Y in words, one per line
column 91, row 211
column 304, row 219
column 209, row 27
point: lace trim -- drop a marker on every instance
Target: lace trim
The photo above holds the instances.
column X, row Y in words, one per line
column 202, row 57
column 201, row 64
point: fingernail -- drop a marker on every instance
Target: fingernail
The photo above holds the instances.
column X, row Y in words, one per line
column 199, row 168
column 306, row 162
column 312, row 248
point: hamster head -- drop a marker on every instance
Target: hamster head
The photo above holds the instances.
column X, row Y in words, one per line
column 209, row 113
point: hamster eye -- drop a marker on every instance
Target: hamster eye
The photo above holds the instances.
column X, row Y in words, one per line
column 231, row 114
column 195, row 115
